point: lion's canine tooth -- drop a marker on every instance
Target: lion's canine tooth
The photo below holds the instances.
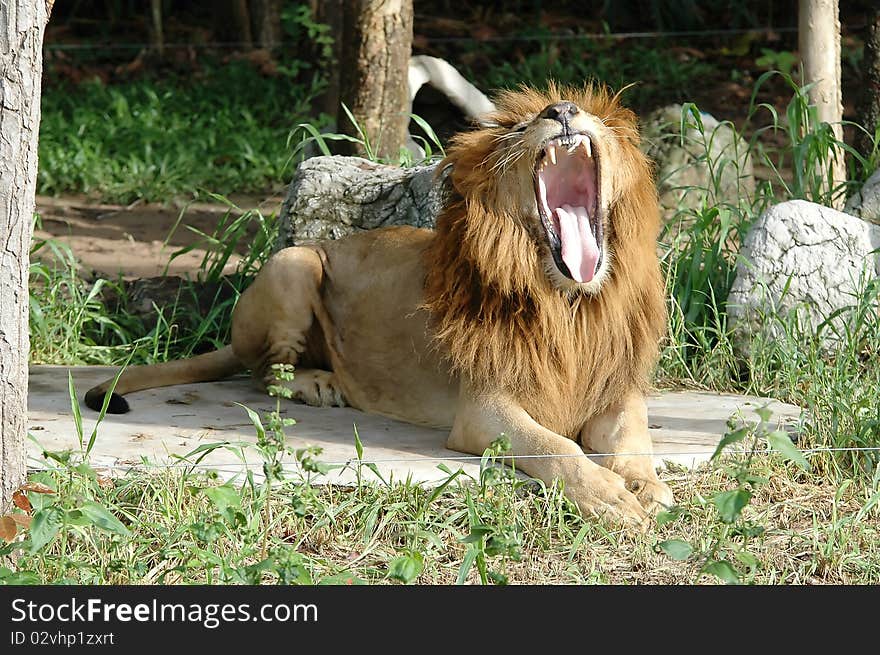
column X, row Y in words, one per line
column 585, row 144
column 551, row 152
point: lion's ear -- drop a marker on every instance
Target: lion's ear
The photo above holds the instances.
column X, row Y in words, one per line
column 443, row 171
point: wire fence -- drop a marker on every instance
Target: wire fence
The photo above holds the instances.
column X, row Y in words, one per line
column 146, row 465
column 513, row 38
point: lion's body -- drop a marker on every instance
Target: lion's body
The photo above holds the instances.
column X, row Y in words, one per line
column 373, row 334
column 473, row 326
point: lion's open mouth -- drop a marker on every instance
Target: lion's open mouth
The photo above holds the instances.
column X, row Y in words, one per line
column 567, row 192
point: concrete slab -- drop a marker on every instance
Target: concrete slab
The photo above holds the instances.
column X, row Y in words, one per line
column 167, row 424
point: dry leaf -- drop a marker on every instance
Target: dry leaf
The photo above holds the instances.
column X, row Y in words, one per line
column 7, row 528
column 21, row 502
column 24, row 520
column 36, row 487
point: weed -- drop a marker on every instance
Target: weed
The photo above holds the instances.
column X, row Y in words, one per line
column 307, row 140
column 727, row 555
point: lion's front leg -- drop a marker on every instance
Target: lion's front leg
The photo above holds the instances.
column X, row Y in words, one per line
column 623, row 429
column 595, row 490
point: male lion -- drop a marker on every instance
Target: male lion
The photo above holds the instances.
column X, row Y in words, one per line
column 534, row 309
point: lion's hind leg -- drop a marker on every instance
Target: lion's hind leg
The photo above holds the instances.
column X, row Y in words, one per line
column 275, row 323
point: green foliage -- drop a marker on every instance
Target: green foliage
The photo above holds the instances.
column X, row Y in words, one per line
column 77, row 321
column 664, row 76
column 307, row 139
column 492, row 532
column 68, row 320
column 777, row 60
column 155, row 139
column 727, row 554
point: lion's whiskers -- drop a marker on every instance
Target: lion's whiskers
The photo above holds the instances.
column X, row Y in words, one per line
column 510, row 157
column 506, row 136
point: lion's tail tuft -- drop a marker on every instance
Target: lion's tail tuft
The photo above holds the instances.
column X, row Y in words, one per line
column 94, row 399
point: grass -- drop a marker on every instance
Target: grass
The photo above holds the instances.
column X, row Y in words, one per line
column 165, row 527
column 665, row 76
column 749, row 516
column 156, row 139
column 74, row 320
column 701, row 247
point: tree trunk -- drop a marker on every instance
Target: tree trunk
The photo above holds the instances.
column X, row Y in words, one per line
column 869, row 104
column 376, row 47
column 819, row 44
column 266, row 23
column 21, row 65
column 330, row 12
column 233, row 23
column 156, row 16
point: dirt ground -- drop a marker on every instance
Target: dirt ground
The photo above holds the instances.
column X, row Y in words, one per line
column 137, row 240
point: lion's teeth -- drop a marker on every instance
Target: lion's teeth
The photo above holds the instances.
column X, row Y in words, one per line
column 585, row 144
column 551, row 153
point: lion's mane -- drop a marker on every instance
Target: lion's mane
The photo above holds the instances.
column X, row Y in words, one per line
column 495, row 313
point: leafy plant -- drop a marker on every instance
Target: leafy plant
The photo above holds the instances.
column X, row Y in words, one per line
column 492, row 533
column 783, row 61
column 727, row 555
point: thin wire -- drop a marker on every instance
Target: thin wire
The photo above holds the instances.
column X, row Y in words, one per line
column 447, row 39
column 464, row 458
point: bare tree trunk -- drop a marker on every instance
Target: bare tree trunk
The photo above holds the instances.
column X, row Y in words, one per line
column 330, row 12
column 819, row 44
column 22, row 23
column 158, row 37
column 266, row 23
column 869, row 103
column 233, row 22
column 376, row 47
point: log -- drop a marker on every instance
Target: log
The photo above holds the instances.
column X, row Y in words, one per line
column 330, row 197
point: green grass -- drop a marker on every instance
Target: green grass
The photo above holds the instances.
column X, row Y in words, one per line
column 748, row 516
column 172, row 136
column 74, row 320
column 664, row 76
column 701, row 247
column 179, row 526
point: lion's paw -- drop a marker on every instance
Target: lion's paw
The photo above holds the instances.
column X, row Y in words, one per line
column 608, row 497
column 316, row 388
column 653, row 495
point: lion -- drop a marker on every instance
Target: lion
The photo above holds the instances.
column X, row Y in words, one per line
column 533, row 310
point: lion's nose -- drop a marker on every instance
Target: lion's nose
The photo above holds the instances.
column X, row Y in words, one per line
column 560, row 111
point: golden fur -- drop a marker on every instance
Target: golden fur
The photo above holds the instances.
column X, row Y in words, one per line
column 501, row 320
column 473, row 326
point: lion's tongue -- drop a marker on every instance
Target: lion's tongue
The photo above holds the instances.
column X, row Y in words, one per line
column 579, row 250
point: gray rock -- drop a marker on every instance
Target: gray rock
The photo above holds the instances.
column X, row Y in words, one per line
column 800, row 256
column 712, row 164
column 865, row 203
column 330, row 197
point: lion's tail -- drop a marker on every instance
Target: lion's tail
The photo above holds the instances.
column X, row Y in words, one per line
column 201, row 368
